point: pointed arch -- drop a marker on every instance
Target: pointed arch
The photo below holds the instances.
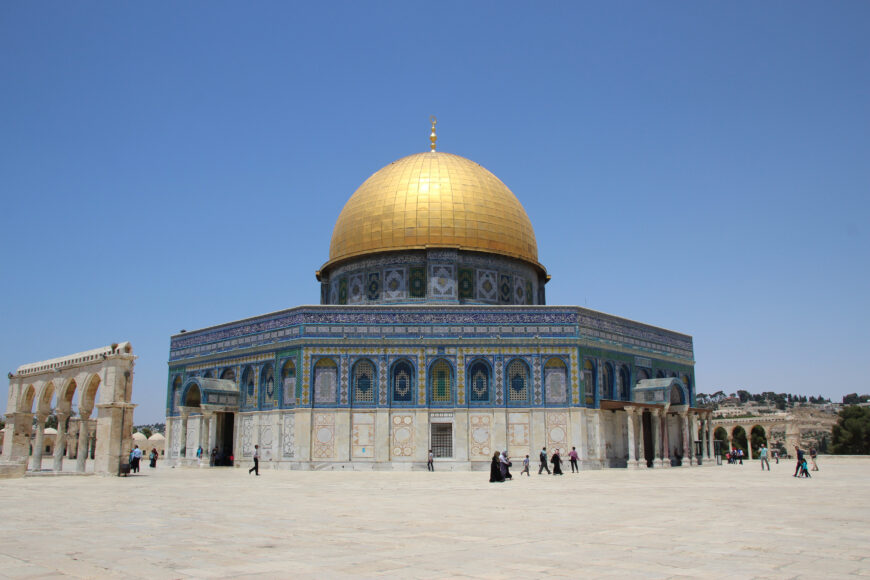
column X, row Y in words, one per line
column 25, row 403
column 288, row 382
column 402, row 381
column 518, row 381
column 608, row 390
column 590, row 379
column 479, row 381
column 88, row 398
column 325, row 381
column 440, row 382
column 555, row 381
column 267, row 385
column 624, row 383
column 364, row 381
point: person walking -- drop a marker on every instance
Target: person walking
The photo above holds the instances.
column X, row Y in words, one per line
column 495, row 475
column 430, row 464
column 153, row 458
column 505, row 464
column 573, row 457
column 256, row 468
column 525, row 467
column 543, row 459
column 800, row 460
column 199, row 454
column 762, row 455
column 212, row 461
column 740, row 456
column 776, row 456
column 137, row 456
column 557, row 463
column 813, row 458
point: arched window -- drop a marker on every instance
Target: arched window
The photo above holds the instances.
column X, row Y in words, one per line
column 228, row 374
column 688, row 383
column 440, row 382
column 589, row 379
column 677, row 396
column 660, row 374
column 267, row 384
column 364, row 382
column 478, row 382
column 249, row 388
column 518, row 381
column 176, row 391
column 288, row 382
column 624, row 384
column 556, row 381
column 642, row 375
column 403, row 382
column 209, row 374
column 607, row 390
column 325, row 381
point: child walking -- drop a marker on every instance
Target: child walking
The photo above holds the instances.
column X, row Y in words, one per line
column 525, row 466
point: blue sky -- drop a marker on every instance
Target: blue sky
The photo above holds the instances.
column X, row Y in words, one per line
column 701, row 167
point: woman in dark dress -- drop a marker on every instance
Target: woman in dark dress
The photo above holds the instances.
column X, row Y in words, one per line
column 495, row 469
column 557, row 463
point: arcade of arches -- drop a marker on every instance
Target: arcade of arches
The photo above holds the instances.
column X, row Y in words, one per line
column 89, row 393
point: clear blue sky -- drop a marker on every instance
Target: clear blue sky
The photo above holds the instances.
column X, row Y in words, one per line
column 701, row 167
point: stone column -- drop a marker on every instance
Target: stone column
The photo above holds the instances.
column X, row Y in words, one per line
column 656, row 436
column 82, row 447
column 73, row 435
column 687, row 446
column 182, row 450
column 602, row 444
column 60, row 441
column 703, row 437
column 212, row 432
column 708, row 441
column 38, row 442
column 748, row 431
column 632, row 454
column 666, row 443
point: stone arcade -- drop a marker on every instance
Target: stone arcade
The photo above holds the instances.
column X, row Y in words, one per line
column 72, row 387
column 433, row 333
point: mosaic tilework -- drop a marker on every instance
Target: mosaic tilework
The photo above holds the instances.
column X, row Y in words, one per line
column 382, row 373
column 363, row 382
column 530, row 298
column 417, row 282
column 306, row 379
column 487, row 285
column 536, row 374
column 460, row 376
column 442, row 281
column 342, row 291
column 373, row 287
column 363, row 436
column 325, row 381
column 555, row 381
column 504, row 289
column 402, row 436
column 519, row 290
column 323, row 431
column 479, row 433
column 395, row 287
column 289, row 382
column 343, row 393
column 421, row 376
column 466, row 283
column 333, row 292
column 288, row 433
column 499, row 384
column 356, row 289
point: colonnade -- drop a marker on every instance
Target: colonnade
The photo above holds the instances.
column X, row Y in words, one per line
column 82, row 435
column 207, row 433
column 690, row 421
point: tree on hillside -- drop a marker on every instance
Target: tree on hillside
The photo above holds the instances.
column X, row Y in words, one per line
column 851, row 434
column 745, row 397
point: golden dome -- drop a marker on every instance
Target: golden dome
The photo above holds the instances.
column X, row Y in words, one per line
column 433, row 200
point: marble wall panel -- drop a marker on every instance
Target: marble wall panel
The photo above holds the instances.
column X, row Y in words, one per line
column 480, row 425
column 402, row 436
column 363, row 436
column 323, row 436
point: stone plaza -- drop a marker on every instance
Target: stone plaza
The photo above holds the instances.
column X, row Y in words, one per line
column 714, row 521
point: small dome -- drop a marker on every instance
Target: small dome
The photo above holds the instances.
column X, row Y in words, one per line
column 433, row 200
column 50, row 431
column 157, row 437
column 138, row 436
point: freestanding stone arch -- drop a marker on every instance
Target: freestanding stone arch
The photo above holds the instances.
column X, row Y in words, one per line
column 98, row 381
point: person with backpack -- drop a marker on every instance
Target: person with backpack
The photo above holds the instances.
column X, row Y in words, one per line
column 543, row 458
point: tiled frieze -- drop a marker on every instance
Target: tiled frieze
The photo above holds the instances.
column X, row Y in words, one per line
column 344, row 372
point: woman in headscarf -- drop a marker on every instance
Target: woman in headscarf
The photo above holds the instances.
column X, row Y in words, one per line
column 495, row 475
column 505, row 463
column 557, row 463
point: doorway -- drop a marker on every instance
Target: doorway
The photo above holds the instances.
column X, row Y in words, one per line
column 441, row 437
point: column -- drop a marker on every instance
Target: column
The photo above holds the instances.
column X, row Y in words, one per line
column 36, row 462
column 60, row 441
column 687, row 447
column 602, row 444
column 182, row 451
column 212, row 432
column 656, row 436
column 666, row 444
column 748, row 432
column 707, row 433
column 71, row 447
column 82, row 447
column 202, row 434
column 632, row 455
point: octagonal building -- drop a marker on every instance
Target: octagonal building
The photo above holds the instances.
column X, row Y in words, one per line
column 433, row 333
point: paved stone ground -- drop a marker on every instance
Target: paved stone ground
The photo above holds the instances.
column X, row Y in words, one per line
column 727, row 521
